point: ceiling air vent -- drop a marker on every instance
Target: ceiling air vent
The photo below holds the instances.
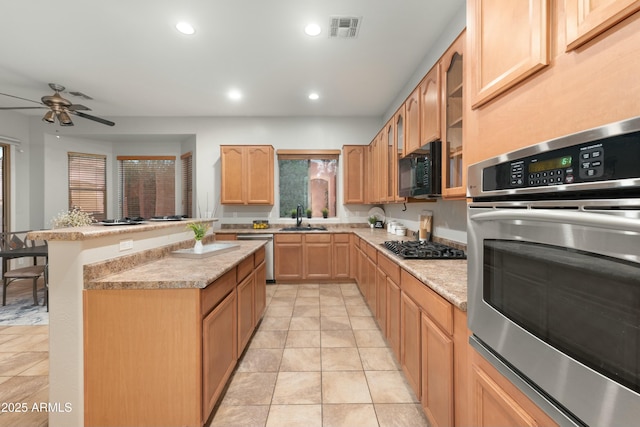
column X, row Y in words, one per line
column 344, row 27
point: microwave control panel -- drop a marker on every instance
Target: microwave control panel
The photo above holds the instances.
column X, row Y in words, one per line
column 608, row 159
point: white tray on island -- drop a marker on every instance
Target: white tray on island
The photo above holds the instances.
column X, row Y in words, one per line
column 207, row 250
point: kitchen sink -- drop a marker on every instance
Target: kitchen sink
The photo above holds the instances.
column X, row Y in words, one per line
column 308, row 228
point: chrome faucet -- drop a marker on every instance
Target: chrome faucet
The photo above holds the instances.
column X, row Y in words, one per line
column 299, row 216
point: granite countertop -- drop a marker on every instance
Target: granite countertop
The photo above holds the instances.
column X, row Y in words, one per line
column 446, row 277
column 176, row 272
column 98, row 230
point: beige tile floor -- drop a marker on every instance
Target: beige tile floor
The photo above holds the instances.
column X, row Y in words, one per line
column 318, row 359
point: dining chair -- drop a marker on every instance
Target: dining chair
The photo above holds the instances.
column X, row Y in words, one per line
column 13, row 245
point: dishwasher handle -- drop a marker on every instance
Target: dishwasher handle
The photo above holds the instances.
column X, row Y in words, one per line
column 254, row 236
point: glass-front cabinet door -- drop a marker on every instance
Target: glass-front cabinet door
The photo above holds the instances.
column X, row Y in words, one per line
column 453, row 171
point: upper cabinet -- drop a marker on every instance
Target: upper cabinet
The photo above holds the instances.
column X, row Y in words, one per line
column 353, row 164
column 509, row 41
column 585, row 19
column 453, row 170
column 247, row 174
column 412, row 122
column 430, row 96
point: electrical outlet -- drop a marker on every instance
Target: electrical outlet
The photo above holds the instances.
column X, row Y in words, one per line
column 126, row 245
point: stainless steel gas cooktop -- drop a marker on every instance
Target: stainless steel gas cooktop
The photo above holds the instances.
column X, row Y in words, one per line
column 413, row 249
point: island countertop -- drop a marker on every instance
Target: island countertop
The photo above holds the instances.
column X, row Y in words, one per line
column 172, row 272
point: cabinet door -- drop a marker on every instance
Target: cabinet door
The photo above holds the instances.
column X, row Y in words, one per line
column 246, row 316
column 219, row 351
column 381, row 299
column 362, row 270
column 259, row 175
column 232, row 171
column 495, row 402
column 410, row 342
column 341, row 256
column 353, row 173
column 393, row 316
column 453, row 170
column 509, row 42
column 287, row 254
column 261, row 292
column 437, row 374
column 412, row 122
column 399, row 138
column 586, row 19
column 392, row 162
column 317, row 261
column 372, row 293
column 430, row 105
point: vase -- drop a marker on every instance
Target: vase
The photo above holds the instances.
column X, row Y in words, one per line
column 371, row 225
column 197, row 247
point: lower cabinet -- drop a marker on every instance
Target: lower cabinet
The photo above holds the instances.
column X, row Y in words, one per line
column 219, row 351
column 495, row 402
column 312, row 256
column 410, row 342
column 437, row 374
column 246, row 298
column 393, row 317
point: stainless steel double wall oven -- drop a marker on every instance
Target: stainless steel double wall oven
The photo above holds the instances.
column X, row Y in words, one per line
column 554, row 272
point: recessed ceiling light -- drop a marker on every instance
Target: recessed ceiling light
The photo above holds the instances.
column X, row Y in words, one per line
column 313, row 96
column 312, row 29
column 234, row 94
column 185, row 28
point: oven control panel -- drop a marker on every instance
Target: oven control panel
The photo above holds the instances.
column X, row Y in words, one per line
column 608, row 159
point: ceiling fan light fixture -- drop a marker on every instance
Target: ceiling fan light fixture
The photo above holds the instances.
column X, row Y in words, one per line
column 185, row 28
column 64, row 119
column 49, row 116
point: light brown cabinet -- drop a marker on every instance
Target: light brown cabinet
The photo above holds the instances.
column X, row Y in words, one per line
column 287, row 255
column 586, row 19
column 430, row 106
column 246, row 174
column 509, row 43
column 219, row 351
column 341, row 256
column 412, row 122
column 410, row 342
column 437, row 379
column 453, row 170
column 353, row 169
column 246, row 298
column 317, row 256
column 312, row 256
column 495, row 402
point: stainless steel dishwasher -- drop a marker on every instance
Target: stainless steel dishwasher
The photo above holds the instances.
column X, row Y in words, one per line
column 268, row 258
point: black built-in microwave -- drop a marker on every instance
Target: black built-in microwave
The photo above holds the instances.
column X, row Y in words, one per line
column 419, row 173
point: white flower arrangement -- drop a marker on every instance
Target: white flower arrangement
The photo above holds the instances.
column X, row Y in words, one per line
column 75, row 217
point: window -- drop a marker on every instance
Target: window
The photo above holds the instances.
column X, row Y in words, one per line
column 146, row 186
column 88, row 183
column 187, row 184
column 308, row 178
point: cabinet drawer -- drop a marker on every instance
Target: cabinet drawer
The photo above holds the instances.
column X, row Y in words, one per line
column 245, row 268
column 258, row 256
column 432, row 304
column 216, row 291
column 390, row 268
column 317, row 238
column 372, row 252
column 341, row 238
column 288, row 238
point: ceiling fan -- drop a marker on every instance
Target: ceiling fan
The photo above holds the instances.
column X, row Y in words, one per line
column 59, row 108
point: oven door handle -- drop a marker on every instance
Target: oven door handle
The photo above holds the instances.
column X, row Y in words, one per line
column 586, row 219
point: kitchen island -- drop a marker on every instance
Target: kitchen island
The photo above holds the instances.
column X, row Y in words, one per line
column 127, row 321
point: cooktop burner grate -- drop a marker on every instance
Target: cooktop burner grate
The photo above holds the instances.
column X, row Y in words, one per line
column 413, row 249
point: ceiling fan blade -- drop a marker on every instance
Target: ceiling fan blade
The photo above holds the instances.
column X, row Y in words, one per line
column 94, row 118
column 21, row 108
column 76, row 107
column 17, row 97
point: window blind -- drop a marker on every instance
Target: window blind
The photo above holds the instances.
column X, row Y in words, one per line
column 187, row 184
column 88, row 183
column 146, row 186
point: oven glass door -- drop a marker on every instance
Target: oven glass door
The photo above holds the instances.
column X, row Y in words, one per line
column 556, row 294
